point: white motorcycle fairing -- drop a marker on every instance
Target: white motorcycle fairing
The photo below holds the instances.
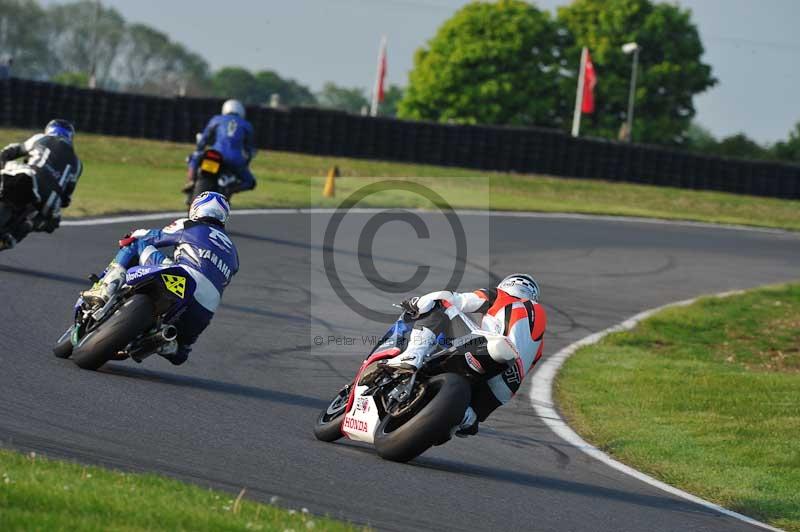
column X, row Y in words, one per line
column 362, row 419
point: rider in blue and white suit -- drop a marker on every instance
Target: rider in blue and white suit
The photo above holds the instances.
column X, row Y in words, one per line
column 231, row 135
column 201, row 247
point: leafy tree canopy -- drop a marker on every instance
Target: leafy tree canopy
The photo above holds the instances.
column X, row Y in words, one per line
column 671, row 71
column 491, row 63
column 351, row 100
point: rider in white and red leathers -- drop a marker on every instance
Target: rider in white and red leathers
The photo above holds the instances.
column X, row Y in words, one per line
column 512, row 310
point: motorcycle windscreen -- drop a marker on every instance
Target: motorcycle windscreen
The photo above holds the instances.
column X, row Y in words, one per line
column 362, row 419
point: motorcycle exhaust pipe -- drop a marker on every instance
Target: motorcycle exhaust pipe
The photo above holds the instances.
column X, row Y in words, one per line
column 149, row 344
column 169, row 333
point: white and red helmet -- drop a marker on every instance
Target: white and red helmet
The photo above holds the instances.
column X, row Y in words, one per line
column 520, row 285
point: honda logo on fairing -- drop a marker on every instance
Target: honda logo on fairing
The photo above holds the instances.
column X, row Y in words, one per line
column 356, row 424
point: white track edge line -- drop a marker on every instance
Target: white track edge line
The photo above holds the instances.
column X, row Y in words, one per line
column 541, row 397
column 106, row 220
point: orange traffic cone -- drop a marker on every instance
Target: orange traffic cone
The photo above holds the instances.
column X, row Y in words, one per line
column 330, row 183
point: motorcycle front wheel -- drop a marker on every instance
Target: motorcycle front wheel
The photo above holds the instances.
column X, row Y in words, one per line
column 401, row 439
column 133, row 318
column 63, row 347
column 329, row 421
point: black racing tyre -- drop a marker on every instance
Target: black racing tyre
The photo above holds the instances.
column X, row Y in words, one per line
column 63, row 347
column 204, row 183
column 5, row 216
column 98, row 347
column 402, row 439
column 329, row 421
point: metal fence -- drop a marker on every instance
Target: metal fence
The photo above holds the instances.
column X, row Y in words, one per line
column 27, row 104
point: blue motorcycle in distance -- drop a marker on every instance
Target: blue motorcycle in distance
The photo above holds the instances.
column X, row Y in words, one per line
column 134, row 323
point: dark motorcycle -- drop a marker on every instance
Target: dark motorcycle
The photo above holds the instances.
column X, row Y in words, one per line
column 404, row 413
column 14, row 216
column 212, row 176
column 134, row 323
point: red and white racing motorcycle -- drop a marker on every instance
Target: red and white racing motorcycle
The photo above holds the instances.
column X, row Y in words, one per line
column 403, row 413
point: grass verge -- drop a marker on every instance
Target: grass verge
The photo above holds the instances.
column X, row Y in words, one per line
column 126, row 175
column 40, row 494
column 705, row 398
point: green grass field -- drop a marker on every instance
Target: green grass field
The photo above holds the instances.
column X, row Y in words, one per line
column 125, row 175
column 706, row 398
column 39, row 494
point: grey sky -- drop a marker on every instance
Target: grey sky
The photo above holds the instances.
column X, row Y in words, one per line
column 751, row 44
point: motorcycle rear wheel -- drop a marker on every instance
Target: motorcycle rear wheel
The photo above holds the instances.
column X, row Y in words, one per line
column 403, row 439
column 6, row 213
column 129, row 321
column 204, row 183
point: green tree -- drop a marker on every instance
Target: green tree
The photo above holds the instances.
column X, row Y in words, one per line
column 73, row 79
column 700, row 139
column 235, row 82
column 151, row 63
column 742, row 146
column 391, row 99
column 491, row 63
column 789, row 150
column 345, row 99
column 23, row 37
column 84, row 36
column 291, row 92
column 671, row 71
column 257, row 89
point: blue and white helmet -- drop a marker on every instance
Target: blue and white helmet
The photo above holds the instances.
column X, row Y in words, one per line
column 520, row 285
column 60, row 128
column 210, row 205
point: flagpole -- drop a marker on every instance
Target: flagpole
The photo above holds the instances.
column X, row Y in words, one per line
column 576, row 118
column 376, row 88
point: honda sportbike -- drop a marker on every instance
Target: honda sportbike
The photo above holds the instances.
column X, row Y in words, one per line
column 404, row 412
column 135, row 322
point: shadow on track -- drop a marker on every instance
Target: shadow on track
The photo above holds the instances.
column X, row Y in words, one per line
column 542, row 482
column 551, row 483
column 215, row 386
column 27, row 272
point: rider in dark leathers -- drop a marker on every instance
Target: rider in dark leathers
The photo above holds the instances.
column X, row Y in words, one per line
column 42, row 172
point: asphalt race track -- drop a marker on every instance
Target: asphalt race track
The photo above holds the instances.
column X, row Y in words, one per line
column 240, row 412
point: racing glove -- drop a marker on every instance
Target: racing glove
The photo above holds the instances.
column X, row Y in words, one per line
column 131, row 236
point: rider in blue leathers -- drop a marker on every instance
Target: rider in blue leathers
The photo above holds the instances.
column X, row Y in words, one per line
column 201, row 247
column 231, row 135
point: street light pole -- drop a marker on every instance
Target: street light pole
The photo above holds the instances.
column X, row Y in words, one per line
column 633, row 48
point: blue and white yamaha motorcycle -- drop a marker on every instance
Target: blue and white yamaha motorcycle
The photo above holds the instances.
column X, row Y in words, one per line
column 138, row 320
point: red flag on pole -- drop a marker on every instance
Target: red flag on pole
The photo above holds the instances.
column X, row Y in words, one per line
column 378, row 93
column 590, row 80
